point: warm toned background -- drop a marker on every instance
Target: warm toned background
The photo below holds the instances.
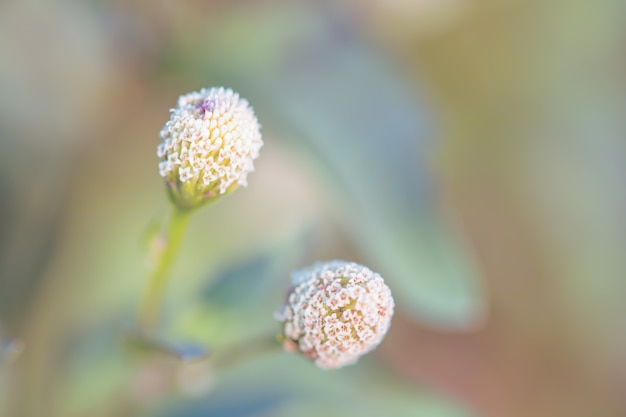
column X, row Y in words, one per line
column 471, row 151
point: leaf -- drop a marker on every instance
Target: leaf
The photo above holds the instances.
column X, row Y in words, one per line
column 370, row 139
column 371, row 136
column 241, row 282
column 288, row 385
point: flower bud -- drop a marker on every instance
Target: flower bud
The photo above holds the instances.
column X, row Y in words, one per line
column 209, row 146
column 335, row 312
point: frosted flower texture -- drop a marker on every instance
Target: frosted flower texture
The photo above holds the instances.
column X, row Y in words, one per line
column 335, row 312
column 209, row 145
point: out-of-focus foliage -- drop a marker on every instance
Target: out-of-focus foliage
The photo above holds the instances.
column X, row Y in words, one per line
column 352, row 110
column 471, row 151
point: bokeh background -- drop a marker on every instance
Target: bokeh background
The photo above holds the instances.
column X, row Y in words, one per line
column 471, row 151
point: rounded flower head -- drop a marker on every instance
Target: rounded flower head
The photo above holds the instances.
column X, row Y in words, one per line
column 209, row 145
column 335, row 312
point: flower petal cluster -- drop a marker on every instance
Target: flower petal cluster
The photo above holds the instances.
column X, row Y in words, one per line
column 208, row 145
column 335, row 312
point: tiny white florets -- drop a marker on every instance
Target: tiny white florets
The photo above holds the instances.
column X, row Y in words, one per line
column 208, row 145
column 336, row 312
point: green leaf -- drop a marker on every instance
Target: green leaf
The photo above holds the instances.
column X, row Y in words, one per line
column 369, row 139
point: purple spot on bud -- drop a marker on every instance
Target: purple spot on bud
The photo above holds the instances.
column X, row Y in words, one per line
column 207, row 105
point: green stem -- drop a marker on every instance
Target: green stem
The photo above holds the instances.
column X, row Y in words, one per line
column 246, row 350
column 149, row 313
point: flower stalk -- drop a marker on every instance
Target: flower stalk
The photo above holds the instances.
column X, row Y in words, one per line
column 245, row 350
column 153, row 298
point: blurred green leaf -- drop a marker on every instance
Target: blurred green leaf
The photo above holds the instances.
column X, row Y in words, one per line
column 319, row 82
column 292, row 386
column 371, row 138
column 260, row 274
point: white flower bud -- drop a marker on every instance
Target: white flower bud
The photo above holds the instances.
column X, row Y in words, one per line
column 335, row 312
column 209, row 146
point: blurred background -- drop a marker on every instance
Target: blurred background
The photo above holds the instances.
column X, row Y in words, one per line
column 471, row 151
